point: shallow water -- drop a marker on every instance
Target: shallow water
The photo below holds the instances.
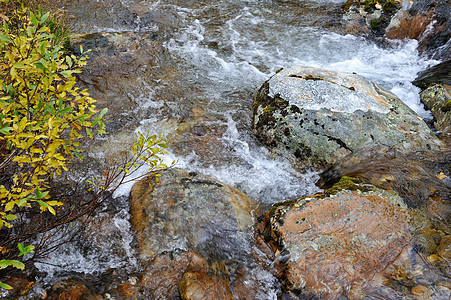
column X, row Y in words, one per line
column 220, row 53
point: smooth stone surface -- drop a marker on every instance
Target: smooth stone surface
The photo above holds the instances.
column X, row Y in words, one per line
column 342, row 244
column 320, row 116
column 191, row 211
column 200, row 286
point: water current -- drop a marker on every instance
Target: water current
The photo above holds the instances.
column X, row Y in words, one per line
column 218, row 54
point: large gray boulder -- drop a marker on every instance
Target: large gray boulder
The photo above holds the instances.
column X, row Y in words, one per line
column 320, row 116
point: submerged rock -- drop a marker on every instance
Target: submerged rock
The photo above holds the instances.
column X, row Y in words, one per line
column 199, row 286
column 187, row 210
column 72, row 289
column 320, row 116
column 342, row 244
column 163, row 274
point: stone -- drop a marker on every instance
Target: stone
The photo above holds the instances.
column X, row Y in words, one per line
column 320, row 116
column 427, row 240
column 437, row 98
column 199, row 286
column 440, row 73
column 420, row 290
column 255, row 284
column 72, row 289
column 127, row 290
column 162, row 276
column 342, row 244
column 444, row 249
column 191, row 211
column 427, row 21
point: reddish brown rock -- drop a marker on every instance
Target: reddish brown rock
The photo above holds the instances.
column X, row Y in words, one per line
column 164, row 273
column 444, row 249
column 341, row 244
column 128, row 290
column 200, row 286
column 410, row 27
column 72, row 289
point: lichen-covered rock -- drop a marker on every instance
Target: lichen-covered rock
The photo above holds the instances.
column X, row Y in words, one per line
column 369, row 17
column 321, row 116
column 190, row 211
column 342, row 244
column 437, row 98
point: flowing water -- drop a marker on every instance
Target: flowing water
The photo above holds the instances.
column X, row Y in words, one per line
column 213, row 56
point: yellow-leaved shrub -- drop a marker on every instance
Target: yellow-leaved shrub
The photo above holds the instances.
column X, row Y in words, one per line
column 43, row 115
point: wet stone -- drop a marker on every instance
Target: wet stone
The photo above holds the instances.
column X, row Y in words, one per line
column 163, row 274
column 199, row 286
column 72, row 289
column 420, row 290
column 187, row 210
column 339, row 244
column 444, row 249
column 437, row 98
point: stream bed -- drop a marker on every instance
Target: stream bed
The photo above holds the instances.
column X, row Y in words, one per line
column 189, row 70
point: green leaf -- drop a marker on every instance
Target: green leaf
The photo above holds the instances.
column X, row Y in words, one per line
column 5, row 38
column 25, row 250
column 17, row 264
column 22, row 202
column 65, row 110
column 19, row 65
column 66, row 73
column 5, row 286
column 4, row 263
column 21, row 247
column 5, row 130
column 33, row 19
column 44, row 17
column 69, row 61
column 40, row 195
column 103, row 112
column 11, row 217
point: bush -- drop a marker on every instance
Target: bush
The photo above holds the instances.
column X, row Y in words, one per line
column 43, row 117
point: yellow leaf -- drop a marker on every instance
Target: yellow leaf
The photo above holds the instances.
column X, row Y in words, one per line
column 51, row 210
column 10, row 205
column 54, row 203
column 59, row 156
column 22, row 124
